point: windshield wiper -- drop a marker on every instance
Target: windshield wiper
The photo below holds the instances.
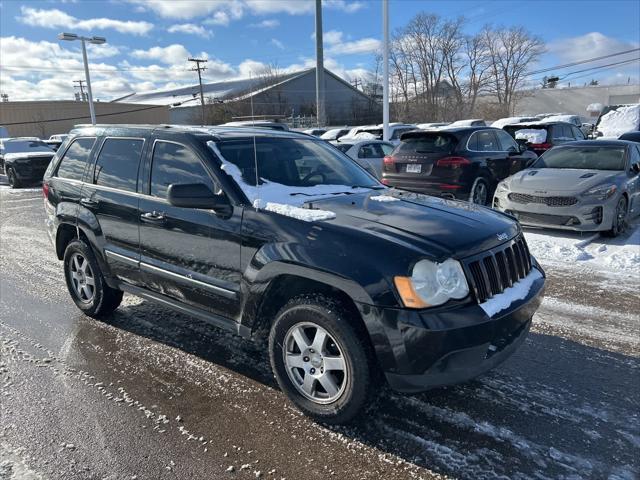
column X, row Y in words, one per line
column 372, row 187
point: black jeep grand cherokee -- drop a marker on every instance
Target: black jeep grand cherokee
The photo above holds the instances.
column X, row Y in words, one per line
column 279, row 235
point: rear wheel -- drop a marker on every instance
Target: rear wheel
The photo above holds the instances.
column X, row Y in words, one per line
column 12, row 178
column 85, row 281
column 619, row 222
column 479, row 191
column 318, row 360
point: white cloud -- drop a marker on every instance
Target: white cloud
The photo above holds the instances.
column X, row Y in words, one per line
column 54, row 18
column 277, row 43
column 364, row 45
column 251, row 68
column 331, row 37
column 190, row 29
column 300, row 7
column 589, row 45
column 171, row 55
column 268, row 23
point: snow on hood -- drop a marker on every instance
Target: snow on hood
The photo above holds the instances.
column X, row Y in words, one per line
column 559, row 180
column 532, row 135
column 277, row 197
column 622, row 120
column 12, row 156
column 365, row 136
column 384, row 198
column 518, row 291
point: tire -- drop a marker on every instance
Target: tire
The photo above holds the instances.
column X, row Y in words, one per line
column 12, row 178
column 619, row 222
column 347, row 388
column 85, row 281
column 479, row 193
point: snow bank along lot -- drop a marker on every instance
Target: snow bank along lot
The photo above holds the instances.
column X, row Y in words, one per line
column 152, row 394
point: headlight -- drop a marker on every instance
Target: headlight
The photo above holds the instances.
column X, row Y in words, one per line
column 432, row 284
column 601, row 192
column 502, row 187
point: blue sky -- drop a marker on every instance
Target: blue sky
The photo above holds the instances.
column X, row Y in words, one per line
column 149, row 40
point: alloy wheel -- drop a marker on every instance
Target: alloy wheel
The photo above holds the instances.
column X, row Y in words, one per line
column 82, row 278
column 479, row 194
column 315, row 363
column 621, row 213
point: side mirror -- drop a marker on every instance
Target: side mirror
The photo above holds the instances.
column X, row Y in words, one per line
column 514, row 151
column 197, row 195
column 635, row 168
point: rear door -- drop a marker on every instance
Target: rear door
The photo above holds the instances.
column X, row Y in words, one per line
column 486, row 148
column 110, row 197
column 191, row 255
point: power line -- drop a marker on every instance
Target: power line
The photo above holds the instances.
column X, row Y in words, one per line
column 580, row 62
column 199, row 69
column 599, row 67
column 81, row 86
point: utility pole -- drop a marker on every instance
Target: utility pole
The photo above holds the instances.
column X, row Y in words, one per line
column 319, row 67
column 80, row 84
column 385, row 70
column 199, row 69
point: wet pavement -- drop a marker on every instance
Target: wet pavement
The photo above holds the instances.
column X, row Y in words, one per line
column 152, row 394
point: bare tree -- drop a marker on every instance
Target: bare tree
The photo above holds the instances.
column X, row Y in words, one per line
column 511, row 52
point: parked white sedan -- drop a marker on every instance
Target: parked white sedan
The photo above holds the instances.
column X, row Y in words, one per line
column 368, row 153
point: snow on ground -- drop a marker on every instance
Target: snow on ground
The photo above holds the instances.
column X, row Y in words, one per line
column 622, row 120
column 610, row 256
column 532, row 135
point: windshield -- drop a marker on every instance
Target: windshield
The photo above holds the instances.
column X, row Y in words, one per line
column 30, row 146
column 583, row 158
column 290, row 170
column 434, row 143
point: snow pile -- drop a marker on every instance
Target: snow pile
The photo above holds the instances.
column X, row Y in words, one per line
column 532, row 135
column 384, row 198
column 279, row 195
column 519, row 291
column 613, row 257
column 622, row 120
column 305, row 214
column 507, row 121
column 595, row 107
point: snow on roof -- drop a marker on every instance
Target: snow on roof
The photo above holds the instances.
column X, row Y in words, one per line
column 622, row 120
column 465, row 123
column 560, row 118
column 508, row 121
column 227, row 90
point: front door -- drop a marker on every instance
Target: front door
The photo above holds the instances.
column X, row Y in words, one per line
column 191, row 255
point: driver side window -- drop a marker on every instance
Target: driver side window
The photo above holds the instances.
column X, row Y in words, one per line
column 174, row 163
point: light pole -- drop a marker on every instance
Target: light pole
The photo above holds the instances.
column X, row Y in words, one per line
column 95, row 40
column 385, row 70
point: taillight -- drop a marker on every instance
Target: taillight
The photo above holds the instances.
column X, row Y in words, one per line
column 540, row 146
column 452, row 162
column 389, row 160
column 384, row 181
column 45, row 190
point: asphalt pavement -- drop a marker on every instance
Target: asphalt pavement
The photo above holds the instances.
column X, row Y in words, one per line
column 152, row 394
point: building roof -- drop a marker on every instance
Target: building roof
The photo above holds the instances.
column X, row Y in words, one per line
column 230, row 90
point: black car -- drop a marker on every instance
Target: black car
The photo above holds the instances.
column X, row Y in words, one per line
column 24, row 159
column 279, row 236
column 632, row 136
column 541, row 136
column 464, row 163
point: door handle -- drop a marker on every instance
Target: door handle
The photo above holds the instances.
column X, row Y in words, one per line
column 87, row 202
column 152, row 217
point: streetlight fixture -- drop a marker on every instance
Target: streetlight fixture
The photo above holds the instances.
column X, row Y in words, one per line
column 96, row 41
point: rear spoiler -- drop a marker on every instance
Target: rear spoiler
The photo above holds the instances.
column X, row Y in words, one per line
column 425, row 133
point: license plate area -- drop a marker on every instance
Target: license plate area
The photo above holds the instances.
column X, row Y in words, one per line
column 414, row 168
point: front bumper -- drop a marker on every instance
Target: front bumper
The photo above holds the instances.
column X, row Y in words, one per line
column 584, row 216
column 419, row 350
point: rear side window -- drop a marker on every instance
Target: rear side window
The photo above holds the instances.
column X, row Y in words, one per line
column 429, row 143
column 484, row 141
column 372, row 150
column 173, row 163
column 117, row 164
column 75, row 159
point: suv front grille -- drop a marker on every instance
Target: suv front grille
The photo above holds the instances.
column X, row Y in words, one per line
column 491, row 272
column 549, row 201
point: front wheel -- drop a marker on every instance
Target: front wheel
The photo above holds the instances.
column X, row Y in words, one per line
column 12, row 178
column 479, row 191
column 318, row 360
column 619, row 222
column 85, row 281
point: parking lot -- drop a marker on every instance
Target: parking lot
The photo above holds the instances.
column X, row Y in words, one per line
column 149, row 393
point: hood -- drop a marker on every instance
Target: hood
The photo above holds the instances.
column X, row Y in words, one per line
column 14, row 156
column 439, row 227
column 558, row 180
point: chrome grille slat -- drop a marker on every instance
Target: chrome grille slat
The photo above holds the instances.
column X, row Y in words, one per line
column 491, row 272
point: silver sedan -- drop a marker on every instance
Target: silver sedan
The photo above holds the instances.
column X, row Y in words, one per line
column 368, row 153
column 583, row 186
